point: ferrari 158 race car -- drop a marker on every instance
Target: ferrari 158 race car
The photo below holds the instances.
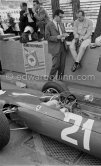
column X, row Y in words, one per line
column 61, row 116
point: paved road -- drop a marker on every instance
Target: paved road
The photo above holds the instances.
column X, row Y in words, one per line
column 29, row 148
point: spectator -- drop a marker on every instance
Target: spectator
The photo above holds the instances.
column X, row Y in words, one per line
column 41, row 16
column 11, row 24
column 1, row 26
column 1, row 31
column 4, row 25
column 82, row 37
column 27, row 18
column 1, row 72
column 55, row 35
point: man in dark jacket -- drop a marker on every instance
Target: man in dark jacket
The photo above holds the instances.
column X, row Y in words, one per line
column 41, row 15
column 55, row 35
column 27, row 18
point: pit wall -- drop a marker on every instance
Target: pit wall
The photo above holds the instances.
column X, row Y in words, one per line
column 33, row 58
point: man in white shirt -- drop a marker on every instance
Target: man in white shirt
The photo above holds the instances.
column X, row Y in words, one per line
column 82, row 33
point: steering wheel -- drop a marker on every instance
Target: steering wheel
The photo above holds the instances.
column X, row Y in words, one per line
column 55, row 97
column 71, row 98
column 63, row 99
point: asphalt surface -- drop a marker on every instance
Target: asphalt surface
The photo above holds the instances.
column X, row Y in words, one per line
column 30, row 148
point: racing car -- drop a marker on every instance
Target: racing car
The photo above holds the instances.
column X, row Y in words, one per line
column 61, row 116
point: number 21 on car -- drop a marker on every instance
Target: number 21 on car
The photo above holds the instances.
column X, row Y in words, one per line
column 66, row 133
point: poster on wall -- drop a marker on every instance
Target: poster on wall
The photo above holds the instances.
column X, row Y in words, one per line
column 34, row 59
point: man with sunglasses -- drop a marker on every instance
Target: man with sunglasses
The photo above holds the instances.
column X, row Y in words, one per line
column 41, row 15
column 55, row 35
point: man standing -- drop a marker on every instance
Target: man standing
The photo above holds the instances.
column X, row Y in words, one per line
column 82, row 36
column 41, row 16
column 55, row 35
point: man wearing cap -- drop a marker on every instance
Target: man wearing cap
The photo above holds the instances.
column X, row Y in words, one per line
column 41, row 16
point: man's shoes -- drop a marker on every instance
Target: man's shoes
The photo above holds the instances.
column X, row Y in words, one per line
column 94, row 46
column 75, row 67
column 2, row 72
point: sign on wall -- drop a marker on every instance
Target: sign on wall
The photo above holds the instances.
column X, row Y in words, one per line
column 34, row 59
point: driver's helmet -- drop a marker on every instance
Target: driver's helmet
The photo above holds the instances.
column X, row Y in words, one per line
column 29, row 29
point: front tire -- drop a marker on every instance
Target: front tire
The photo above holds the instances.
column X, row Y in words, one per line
column 54, row 87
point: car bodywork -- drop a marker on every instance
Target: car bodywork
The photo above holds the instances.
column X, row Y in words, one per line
column 70, row 122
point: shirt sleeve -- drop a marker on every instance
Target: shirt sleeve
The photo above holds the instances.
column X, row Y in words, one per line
column 75, row 30
column 89, row 30
column 48, row 35
column 41, row 15
column 22, row 17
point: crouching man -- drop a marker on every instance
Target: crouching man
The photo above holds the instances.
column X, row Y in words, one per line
column 82, row 38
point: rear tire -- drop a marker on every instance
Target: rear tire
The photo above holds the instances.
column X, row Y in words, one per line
column 4, row 130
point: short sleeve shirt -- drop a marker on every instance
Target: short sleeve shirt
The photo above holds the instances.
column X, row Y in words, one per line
column 82, row 27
